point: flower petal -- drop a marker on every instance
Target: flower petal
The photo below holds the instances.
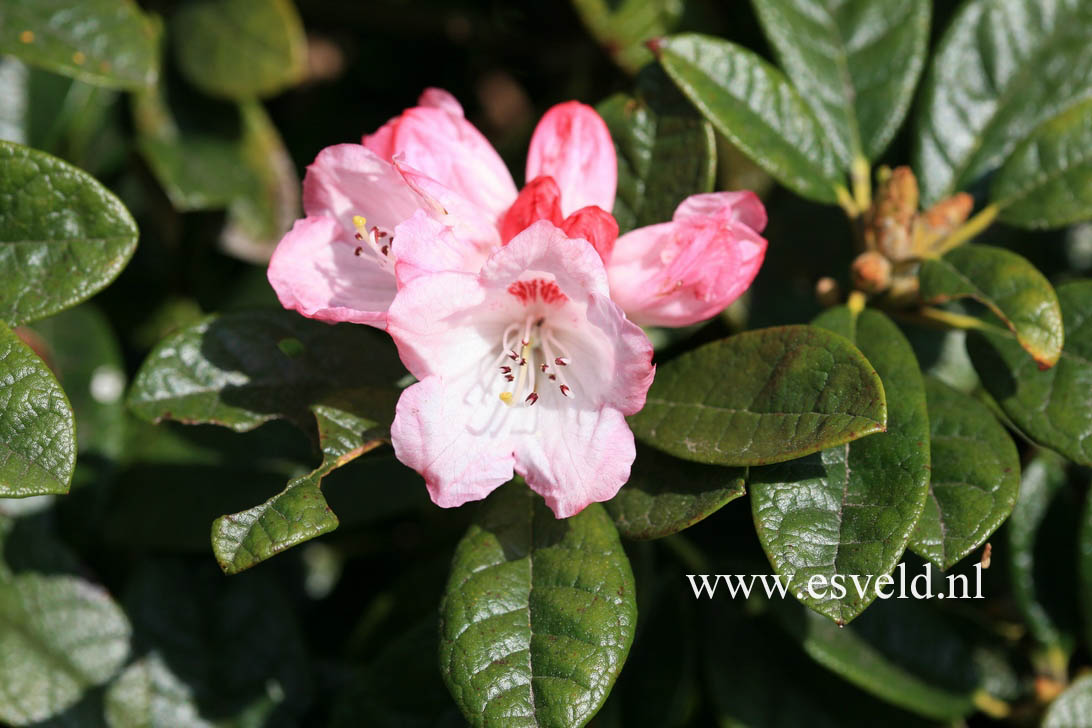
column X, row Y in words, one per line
column 347, row 180
column 739, row 206
column 443, row 145
column 468, row 221
column 540, row 199
column 544, row 247
column 572, row 144
column 578, row 456
column 316, row 271
column 433, row 434
column 425, row 245
column 687, row 270
column 595, row 225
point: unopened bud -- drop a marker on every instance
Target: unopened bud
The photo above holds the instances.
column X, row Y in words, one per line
column 827, row 292
column 871, row 272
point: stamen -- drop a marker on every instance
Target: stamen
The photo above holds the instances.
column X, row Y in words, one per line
column 561, row 361
column 566, row 391
column 506, row 370
column 531, row 398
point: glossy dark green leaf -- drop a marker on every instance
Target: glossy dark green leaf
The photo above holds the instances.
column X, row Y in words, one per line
column 1010, row 286
column 1072, row 708
column 666, row 151
column 754, row 105
column 1001, row 69
column 241, row 369
column 665, row 495
column 760, row 679
column 299, row 512
column 762, row 397
column 63, row 236
column 105, row 42
column 623, row 28
column 1043, row 478
column 1047, row 181
column 37, row 428
column 851, row 509
column 974, row 478
column 538, row 615
column 1053, row 407
column 59, row 636
column 855, row 63
column 239, row 49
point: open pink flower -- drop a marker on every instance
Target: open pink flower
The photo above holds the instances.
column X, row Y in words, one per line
column 526, row 366
column 429, row 179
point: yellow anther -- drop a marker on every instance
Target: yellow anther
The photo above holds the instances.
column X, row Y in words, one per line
column 506, row 397
column 359, row 222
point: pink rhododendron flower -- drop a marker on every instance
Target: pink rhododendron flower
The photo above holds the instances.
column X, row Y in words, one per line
column 428, row 177
column 525, row 366
column 681, row 272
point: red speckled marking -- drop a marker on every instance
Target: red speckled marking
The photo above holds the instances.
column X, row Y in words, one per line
column 537, row 289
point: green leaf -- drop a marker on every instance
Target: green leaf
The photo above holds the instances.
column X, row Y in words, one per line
column 538, row 615
column 1053, row 407
column 904, row 652
column 1007, row 284
column 239, row 49
column 258, row 220
column 399, row 689
column 856, row 64
column 755, row 106
column 623, row 28
column 37, row 428
column 61, row 636
column 104, row 42
column 148, row 695
column 232, row 644
column 851, row 509
column 241, row 369
column 83, row 351
column 1084, row 565
column 777, row 686
column 299, row 512
column 793, row 390
column 974, row 479
column 1001, row 69
column 666, row 151
column 1047, row 181
column 1044, row 477
column 1072, row 708
column 666, row 495
column 63, row 236
column 212, row 155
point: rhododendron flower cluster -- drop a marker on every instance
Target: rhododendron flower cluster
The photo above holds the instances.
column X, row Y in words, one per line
column 517, row 311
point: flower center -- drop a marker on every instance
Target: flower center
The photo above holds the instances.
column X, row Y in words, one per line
column 531, row 354
column 379, row 241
